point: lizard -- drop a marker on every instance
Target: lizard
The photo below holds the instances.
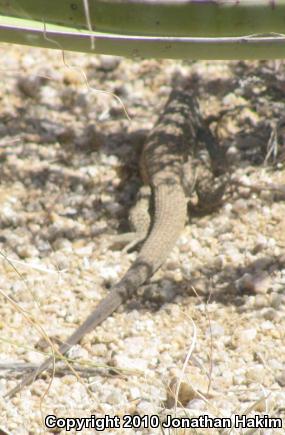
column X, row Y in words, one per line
column 161, row 167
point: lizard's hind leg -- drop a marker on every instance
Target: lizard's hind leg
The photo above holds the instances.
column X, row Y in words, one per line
column 139, row 220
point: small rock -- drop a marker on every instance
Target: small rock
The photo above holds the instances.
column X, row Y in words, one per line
column 62, row 244
column 184, row 246
column 216, row 330
column 281, row 379
column 194, row 245
column 99, row 349
column 135, row 393
column 91, row 139
column 232, row 151
column 162, row 293
column 249, row 334
column 201, row 286
column 262, row 263
column 38, row 388
column 249, row 283
column 64, row 134
column 191, row 384
column 2, row 387
column 281, row 261
column 145, row 408
column 123, row 362
column 72, row 76
column 69, row 379
column 228, row 208
column 30, row 85
column 48, row 95
column 26, row 251
column 243, row 337
column 43, row 344
column 260, row 301
column 240, row 206
column 109, row 63
column 115, row 397
column 261, row 406
column 77, row 352
column 34, row 357
column 276, row 301
column 270, row 314
column 239, row 378
column 196, row 404
column 255, row 374
column 245, row 283
column 267, row 325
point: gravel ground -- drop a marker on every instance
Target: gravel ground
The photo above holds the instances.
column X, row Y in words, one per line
column 69, row 175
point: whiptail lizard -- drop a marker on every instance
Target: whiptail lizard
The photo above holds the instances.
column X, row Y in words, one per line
column 161, row 166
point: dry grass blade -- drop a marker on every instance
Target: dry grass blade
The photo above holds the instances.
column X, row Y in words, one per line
column 185, row 364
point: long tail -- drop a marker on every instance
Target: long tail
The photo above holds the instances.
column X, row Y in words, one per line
column 106, row 307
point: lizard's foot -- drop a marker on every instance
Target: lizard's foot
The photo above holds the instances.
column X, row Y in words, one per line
column 131, row 240
column 140, row 221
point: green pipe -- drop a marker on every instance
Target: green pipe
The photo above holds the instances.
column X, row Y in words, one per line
column 199, row 18
column 140, row 46
column 194, row 29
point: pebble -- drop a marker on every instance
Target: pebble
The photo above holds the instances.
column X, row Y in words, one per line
column 256, row 373
column 191, row 384
column 276, row 301
column 78, row 352
column 123, row 362
column 30, row 85
column 262, row 263
column 260, row 301
column 27, row 251
column 257, row 283
column 194, row 246
column 239, row 378
column 201, row 286
column 270, row 314
column 134, row 393
column 38, row 389
column 108, row 63
column 34, row 357
column 115, row 397
column 240, row 206
column 216, row 330
column 245, row 283
column 281, row 379
column 145, row 408
column 163, row 293
column 232, row 152
column 244, row 337
column 261, row 406
column 48, row 95
column 197, row 404
column 267, row 325
column 99, row 349
column 72, row 76
column 69, row 379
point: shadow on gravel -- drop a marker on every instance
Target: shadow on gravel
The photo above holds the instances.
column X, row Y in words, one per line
column 62, row 173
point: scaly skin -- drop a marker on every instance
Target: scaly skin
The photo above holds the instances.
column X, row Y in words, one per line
column 161, row 167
